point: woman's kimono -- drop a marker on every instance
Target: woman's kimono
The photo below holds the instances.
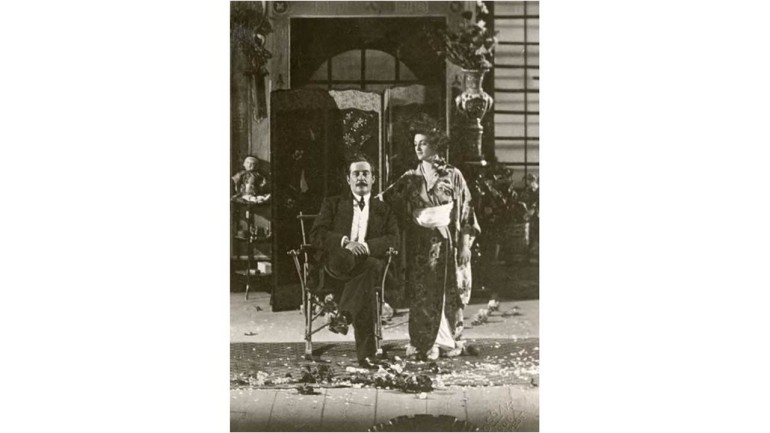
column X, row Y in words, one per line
column 436, row 214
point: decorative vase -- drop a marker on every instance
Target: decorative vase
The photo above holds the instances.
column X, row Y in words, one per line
column 473, row 103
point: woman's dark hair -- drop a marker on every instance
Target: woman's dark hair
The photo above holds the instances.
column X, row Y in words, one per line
column 431, row 129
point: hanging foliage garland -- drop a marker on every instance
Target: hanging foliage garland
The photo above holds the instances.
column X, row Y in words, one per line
column 249, row 27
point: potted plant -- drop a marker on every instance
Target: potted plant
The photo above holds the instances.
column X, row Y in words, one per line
column 507, row 213
column 471, row 46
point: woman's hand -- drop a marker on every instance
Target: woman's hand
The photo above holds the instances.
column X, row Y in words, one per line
column 465, row 255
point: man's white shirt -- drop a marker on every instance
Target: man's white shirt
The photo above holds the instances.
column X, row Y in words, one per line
column 360, row 222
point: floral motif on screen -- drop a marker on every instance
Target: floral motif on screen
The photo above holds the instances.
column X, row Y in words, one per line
column 359, row 128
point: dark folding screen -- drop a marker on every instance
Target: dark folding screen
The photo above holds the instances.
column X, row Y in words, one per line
column 301, row 164
column 312, row 134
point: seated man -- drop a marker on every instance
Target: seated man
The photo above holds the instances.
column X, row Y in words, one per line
column 353, row 233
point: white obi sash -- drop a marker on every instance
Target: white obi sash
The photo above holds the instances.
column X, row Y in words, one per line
column 434, row 216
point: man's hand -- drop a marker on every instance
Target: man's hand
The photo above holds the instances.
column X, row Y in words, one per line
column 358, row 249
column 465, row 256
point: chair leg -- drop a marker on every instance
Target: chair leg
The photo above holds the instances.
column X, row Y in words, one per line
column 308, row 325
column 379, row 299
column 307, row 304
column 377, row 324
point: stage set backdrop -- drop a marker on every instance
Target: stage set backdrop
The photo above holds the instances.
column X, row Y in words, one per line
column 341, row 77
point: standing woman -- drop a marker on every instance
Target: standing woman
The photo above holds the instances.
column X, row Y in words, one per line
column 440, row 227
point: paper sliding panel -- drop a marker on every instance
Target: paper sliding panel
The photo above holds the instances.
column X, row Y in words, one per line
column 515, row 101
column 514, row 78
column 515, row 55
column 509, row 151
column 512, row 125
column 509, row 8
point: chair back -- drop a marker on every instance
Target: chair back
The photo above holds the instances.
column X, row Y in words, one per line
column 302, row 218
column 307, row 247
column 304, row 264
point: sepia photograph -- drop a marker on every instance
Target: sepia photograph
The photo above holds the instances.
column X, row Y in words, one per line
column 364, row 178
column 384, row 216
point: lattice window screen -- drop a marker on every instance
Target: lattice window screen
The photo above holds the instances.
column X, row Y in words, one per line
column 362, row 69
column 517, row 84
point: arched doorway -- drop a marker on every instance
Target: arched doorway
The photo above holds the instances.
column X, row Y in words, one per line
column 362, row 69
column 369, row 54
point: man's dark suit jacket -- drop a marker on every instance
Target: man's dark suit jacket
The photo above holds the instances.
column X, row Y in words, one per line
column 335, row 220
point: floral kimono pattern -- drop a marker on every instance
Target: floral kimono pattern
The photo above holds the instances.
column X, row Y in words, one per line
column 435, row 281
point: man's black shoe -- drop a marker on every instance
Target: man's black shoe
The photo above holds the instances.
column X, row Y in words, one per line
column 339, row 324
column 371, row 363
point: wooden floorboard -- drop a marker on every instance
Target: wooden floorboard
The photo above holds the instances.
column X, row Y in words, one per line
column 295, row 412
column 504, row 408
column 391, row 404
column 447, row 402
column 347, row 409
column 526, row 402
column 250, row 409
column 491, row 408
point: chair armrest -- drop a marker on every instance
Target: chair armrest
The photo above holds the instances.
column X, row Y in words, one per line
column 303, row 249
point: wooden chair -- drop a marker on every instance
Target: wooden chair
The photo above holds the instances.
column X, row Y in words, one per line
column 313, row 303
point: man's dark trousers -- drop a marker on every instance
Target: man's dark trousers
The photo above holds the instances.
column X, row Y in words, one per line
column 361, row 274
column 358, row 299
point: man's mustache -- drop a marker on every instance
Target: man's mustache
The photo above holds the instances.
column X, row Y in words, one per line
column 363, row 183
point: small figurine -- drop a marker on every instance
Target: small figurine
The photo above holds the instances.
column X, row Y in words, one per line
column 531, row 187
column 250, row 185
column 530, row 196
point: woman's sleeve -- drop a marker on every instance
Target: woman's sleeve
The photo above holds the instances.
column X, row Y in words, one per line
column 468, row 223
column 396, row 196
